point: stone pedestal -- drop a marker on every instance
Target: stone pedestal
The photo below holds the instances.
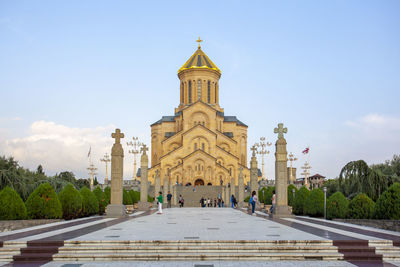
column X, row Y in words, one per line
column 116, row 208
column 174, row 195
column 240, row 197
column 253, row 174
column 157, row 184
column 165, row 190
column 223, row 197
column 144, row 191
column 227, row 196
column 282, row 209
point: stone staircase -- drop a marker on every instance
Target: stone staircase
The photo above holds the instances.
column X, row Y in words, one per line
column 201, row 250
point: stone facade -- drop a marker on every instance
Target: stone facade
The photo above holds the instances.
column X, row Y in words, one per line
column 199, row 145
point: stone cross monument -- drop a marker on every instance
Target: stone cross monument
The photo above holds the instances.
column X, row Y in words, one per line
column 281, row 209
column 144, row 163
column 253, row 171
column 241, row 188
column 157, row 184
column 116, row 208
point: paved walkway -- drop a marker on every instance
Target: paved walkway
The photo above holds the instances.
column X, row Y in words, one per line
column 201, row 224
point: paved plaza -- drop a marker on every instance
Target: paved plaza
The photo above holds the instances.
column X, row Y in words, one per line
column 201, row 225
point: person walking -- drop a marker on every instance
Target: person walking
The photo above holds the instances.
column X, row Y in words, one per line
column 160, row 202
column 169, row 198
column 232, row 203
column 180, row 201
column 273, row 202
column 254, row 200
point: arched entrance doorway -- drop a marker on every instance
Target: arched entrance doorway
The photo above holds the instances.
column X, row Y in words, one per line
column 199, row 182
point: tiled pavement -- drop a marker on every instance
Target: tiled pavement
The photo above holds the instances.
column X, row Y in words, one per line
column 202, row 224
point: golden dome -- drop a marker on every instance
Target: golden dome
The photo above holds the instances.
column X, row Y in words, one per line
column 199, row 60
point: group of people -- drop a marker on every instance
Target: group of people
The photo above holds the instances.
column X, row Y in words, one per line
column 209, row 202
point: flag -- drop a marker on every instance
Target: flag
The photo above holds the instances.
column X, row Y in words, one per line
column 305, row 151
column 90, row 150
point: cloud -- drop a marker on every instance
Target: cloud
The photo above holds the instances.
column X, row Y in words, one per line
column 377, row 127
column 60, row 148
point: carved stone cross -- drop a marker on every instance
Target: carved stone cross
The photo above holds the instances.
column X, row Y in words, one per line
column 144, row 148
column 280, row 130
column 117, row 135
column 254, row 150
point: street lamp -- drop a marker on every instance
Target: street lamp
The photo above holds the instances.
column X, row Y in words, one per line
column 291, row 159
column 293, row 192
column 324, row 202
column 263, row 145
column 135, row 144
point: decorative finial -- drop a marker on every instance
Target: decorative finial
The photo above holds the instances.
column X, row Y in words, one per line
column 199, row 41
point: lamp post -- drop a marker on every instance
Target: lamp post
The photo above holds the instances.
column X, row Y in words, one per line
column 92, row 172
column 306, row 172
column 291, row 159
column 135, row 144
column 293, row 192
column 324, row 202
column 263, row 145
column 106, row 159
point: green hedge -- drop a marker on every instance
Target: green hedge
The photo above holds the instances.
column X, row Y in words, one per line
column 43, row 203
column 90, row 205
column 101, row 199
column 314, row 205
column 265, row 195
column 247, row 199
column 71, row 202
column 290, row 194
column 150, row 198
column 126, row 198
column 107, row 192
column 388, row 204
column 337, row 206
column 361, row 207
column 135, row 196
column 299, row 200
column 12, row 206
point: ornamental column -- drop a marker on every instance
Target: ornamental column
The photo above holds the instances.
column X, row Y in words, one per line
column 144, row 182
column 281, row 208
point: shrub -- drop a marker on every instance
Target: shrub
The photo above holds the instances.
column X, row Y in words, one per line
column 150, row 199
column 107, row 192
column 265, row 195
column 126, row 198
column 11, row 205
column 247, row 199
column 135, row 196
column 388, row 204
column 261, row 194
column 314, row 204
column 101, row 199
column 43, row 203
column 299, row 200
column 290, row 194
column 71, row 202
column 337, row 206
column 90, row 205
column 361, row 207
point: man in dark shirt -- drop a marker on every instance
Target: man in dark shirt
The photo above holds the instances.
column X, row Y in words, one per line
column 169, row 197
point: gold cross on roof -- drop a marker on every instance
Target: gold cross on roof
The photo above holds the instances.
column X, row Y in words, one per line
column 199, row 41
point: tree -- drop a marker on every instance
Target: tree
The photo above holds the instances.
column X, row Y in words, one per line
column 314, row 203
column 290, row 194
column 11, row 205
column 43, row 203
column 388, row 204
column 332, row 186
column 39, row 170
column 90, row 205
column 299, row 200
column 337, row 206
column 361, row 207
column 101, row 198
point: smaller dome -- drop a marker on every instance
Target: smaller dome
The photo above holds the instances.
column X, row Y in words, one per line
column 199, row 60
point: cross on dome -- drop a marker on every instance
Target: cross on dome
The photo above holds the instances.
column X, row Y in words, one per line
column 199, row 41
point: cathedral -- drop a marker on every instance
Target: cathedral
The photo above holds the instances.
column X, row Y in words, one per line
column 199, row 144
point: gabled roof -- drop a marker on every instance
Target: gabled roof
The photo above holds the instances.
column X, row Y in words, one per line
column 199, row 60
column 165, row 119
column 234, row 119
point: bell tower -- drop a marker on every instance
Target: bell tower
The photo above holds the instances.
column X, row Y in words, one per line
column 199, row 81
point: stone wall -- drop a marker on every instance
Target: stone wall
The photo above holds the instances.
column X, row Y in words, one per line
column 393, row 225
column 19, row 224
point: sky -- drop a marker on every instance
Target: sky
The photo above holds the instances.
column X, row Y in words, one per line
column 73, row 71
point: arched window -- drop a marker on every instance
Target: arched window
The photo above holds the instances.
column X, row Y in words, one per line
column 215, row 93
column 199, row 89
column 182, row 93
column 202, row 146
column 190, row 92
column 195, row 146
column 209, row 92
